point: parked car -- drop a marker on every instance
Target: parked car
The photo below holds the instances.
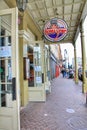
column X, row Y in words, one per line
column 80, row 74
column 71, row 73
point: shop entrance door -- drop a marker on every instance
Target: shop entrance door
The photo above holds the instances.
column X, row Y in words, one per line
column 37, row 92
column 9, row 70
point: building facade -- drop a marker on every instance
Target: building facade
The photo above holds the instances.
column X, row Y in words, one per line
column 27, row 64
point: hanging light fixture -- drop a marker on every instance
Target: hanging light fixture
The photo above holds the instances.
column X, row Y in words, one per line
column 21, row 4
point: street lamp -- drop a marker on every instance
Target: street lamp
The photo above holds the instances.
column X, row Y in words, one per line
column 21, row 4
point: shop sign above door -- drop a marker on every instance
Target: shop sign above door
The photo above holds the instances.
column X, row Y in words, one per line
column 55, row 30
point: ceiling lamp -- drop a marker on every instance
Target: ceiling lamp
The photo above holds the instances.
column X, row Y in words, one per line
column 21, row 4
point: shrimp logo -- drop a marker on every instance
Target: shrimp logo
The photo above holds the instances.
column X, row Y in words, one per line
column 55, row 30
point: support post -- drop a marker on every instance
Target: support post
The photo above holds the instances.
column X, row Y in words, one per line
column 84, row 84
column 76, row 65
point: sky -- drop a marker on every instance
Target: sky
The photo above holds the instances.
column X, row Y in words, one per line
column 70, row 49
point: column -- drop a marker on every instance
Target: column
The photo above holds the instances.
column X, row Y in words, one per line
column 84, row 84
column 76, row 65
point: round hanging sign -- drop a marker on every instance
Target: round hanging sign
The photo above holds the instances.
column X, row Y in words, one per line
column 55, row 30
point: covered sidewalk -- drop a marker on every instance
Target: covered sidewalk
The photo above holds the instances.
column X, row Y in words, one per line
column 65, row 108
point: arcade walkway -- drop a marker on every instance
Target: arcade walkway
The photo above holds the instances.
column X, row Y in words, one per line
column 64, row 109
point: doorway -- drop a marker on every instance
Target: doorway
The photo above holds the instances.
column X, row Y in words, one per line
column 31, row 66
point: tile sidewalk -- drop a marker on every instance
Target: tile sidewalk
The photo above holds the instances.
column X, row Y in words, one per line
column 64, row 109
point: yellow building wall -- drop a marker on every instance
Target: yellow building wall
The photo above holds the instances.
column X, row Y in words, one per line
column 25, row 93
column 22, row 88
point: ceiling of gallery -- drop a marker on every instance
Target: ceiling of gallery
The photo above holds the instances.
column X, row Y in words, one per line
column 72, row 11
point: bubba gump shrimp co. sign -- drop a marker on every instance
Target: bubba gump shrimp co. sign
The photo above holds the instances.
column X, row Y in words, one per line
column 55, row 30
